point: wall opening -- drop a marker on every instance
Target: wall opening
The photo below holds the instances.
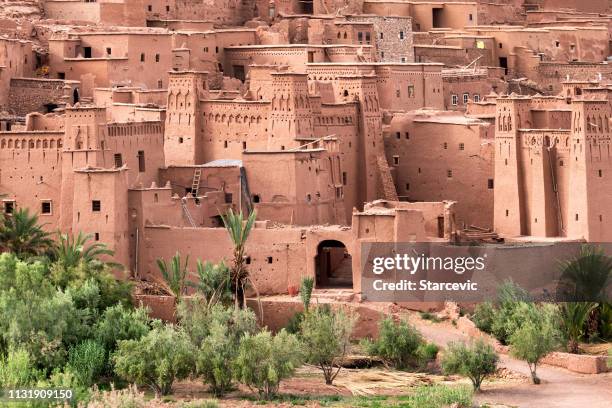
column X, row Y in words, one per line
column 334, row 266
column 75, row 96
column 503, row 62
column 436, row 17
column 306, row 7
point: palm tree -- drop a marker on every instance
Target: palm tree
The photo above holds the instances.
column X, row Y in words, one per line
column 213, row 282
column 174, row 274
column 73, row 250
column 21, row 234
column 573, row 318
column 586, row 278
column 239, row 231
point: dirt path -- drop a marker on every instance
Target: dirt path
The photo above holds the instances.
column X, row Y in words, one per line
column 559, row 389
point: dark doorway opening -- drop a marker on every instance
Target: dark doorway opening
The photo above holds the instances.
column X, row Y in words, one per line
column 503, row 62
column 50, row 107
column 440, row 227
column 334, row 266
column 436, row 18
column 306, row 7
column 239, row 72
column 75, row 96
column 87, row 52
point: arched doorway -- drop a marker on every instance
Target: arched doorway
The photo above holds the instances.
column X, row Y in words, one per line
column 334, row 266
column 75, row 96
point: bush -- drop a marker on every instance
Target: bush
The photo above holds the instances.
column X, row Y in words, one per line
column 326, row 337
column 306, row 288
column 219, row 349
column 87, row 361
column 264, row 360
column 427, row 352
column 484, row 316
column 397, row 343
column 17, row 370
column 194, row 316
column 156, row 360
column 121, row 323
column 537, row 336
column 475, row 361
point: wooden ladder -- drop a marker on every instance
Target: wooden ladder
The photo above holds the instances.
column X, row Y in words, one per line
column 195, row 185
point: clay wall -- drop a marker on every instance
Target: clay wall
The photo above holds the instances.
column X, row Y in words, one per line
column 16, row 61
column 430, row 156
column 39, row 95
column 409, row 87
column 393, row 37
column 31, row 171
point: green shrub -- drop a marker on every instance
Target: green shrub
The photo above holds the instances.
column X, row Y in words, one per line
column 264, row 360
column 156, row 360
column 326, row 337
column 87, row 361
column 219, row 349
column 484, row 316
column 201, row 404
column 306, row 288
column 536, row 337
column 398, row 343
column 121, row 323
column 430, row 316
column 427, row 352
column 213, row 282
column 574, row 316
column 17, row 369
column 293, row 325
column 194, row 315
column 475, row 361
column 605, row 321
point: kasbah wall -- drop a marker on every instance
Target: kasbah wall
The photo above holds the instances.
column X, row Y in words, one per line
column 141, row 122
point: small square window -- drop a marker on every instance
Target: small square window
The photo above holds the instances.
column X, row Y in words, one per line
column 45, row 207
column 180, row 140
column 466, row 98
column 600, row 173
column 445, row 145
column 118, row 160
column 407, row 135
column 407, row 186
column 97, row 236
column 108, row 51
column 401, row 35
column 490, row 184
column 269, row 259
column 461, row 146
column 396, row 160
column 398, row 135
column 156, row 57
column 149, row 8
column 454, row 100
column 9, row 207
column 449, row 173
column 96, row 206
column 476, row 98
column 471, row 17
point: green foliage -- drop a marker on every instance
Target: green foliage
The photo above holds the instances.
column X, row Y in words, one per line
column 219, row 349
column 439, row 396
column 573, row 319
column 194, row 315
column 87, row 361
column 430, row 316
column 239, row 230
column 536, row 337
column 121, row 323
column 484, row 316
column 586, row 277
column 35, row 316
column 326, row 337
column 71, row 250
column 475, row 361
column 162, row 356
column 398, row 343
column 264, row 360
column 174, row 274
column 21, row 234
column 427, row 352
column 17, row 369
column 293, row 325
column 510, row 292
column 306, row 288
column 605, row 321
column 201, row 404
column 213, row 282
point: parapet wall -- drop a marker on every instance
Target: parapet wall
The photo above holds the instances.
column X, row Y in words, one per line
column 32, row 95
